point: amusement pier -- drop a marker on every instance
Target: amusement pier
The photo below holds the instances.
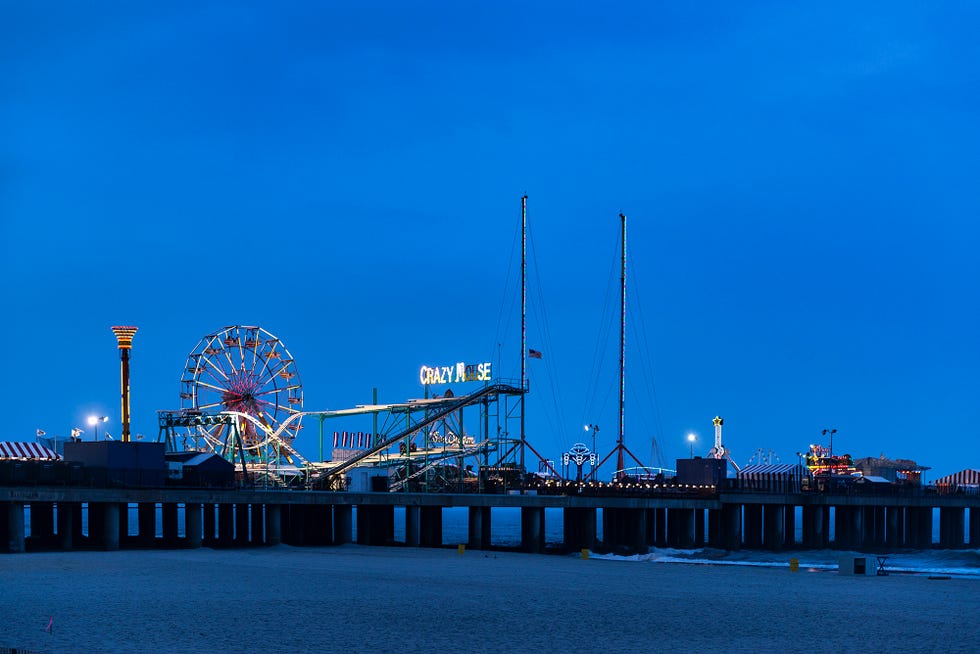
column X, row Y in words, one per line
column 224, row 472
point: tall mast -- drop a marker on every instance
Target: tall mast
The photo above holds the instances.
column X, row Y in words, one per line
column 523, row 317
column 620, row 463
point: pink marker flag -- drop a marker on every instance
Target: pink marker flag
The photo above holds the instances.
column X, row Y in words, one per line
column 50, row 627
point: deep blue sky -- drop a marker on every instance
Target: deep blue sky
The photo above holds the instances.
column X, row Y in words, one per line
column 801, row 185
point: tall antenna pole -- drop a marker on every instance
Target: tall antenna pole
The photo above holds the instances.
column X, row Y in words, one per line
column 523, row 317
column 124, row 340
column 620, row 463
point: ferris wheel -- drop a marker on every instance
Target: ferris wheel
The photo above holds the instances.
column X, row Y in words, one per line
column 248, row 371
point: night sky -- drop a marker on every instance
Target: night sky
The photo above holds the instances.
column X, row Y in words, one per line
column 800, row 184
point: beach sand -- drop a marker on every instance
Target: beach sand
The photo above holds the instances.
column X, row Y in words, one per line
column 358, row 599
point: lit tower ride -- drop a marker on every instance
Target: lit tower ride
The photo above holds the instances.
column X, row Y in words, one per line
column 124, row 338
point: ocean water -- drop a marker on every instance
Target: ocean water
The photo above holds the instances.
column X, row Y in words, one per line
column 506, row 532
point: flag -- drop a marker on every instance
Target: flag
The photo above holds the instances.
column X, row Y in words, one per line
column 336, row 437
column 534, row 354
column 40, row 432
column 76, row 433
column 50, row 627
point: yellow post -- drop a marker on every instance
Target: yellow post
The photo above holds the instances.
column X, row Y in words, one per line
column 585, row 553
column 460, row 548
column 794, row 565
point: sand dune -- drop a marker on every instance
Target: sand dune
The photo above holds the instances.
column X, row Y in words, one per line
column 357, row 599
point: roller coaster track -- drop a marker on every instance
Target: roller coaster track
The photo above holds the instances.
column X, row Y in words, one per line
column 466, row 400
column 438, row 459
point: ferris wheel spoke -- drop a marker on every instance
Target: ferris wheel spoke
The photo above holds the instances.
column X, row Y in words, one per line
column 274, row 391
column 215, row 367
column 211, row 386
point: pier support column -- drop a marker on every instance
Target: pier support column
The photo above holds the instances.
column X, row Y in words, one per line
column 209, row 539
column 15, row 526
column 881, row 538
column 579, row 528
column 683, row 524
column 42, row 524
column 241, row 525
column 226, row 525
column 532, row 529
column 319, row 525
column 698, row 528
column 294, row 524
column 430, row 526
column 951, row 527
column 171, row 526
column 146, row 523
column 66, row 524
column 413, row 526
column 479, row 527
column 124, row 540
column 925, row 527
column 974, row 528
column 843, row 527
column 110, row 526
column 789, row 526
column 257, row 523
column 753, row 526
column 273, row 524
column 731, row 526
column 376, row 524
column 660, row 528
column 814, row 534
column 716, row 534
column 893, row 533
column 774, row 533
column 342, row 524
column 193, row 525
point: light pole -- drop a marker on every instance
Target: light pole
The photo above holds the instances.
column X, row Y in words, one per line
column 94, row 421
column 690, row 439
column 831, row 432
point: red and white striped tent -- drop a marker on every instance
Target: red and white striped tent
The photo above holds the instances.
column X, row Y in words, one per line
column 774, row 478
column 963, row 477
column 27, row 450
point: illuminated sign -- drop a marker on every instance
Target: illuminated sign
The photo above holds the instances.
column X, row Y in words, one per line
column 461, row 372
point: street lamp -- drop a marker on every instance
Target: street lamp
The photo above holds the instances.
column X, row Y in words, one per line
column 595, row 432
column 94, row 421
column 690, row 439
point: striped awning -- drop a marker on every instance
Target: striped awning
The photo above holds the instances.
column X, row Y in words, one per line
column 27, row 450
column 967, row 476
column 775, row 477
